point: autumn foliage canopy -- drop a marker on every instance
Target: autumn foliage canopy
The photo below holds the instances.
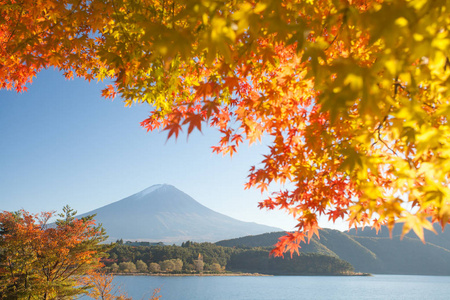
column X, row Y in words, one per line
column 352, row 95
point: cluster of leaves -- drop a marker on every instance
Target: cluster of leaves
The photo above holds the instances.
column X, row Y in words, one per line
column 39, row 261
column 352, row 94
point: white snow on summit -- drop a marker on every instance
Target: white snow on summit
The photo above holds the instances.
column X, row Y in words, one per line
column 149, row 190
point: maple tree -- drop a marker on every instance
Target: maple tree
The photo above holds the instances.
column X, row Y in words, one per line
column 39, row 261
column 352, row 95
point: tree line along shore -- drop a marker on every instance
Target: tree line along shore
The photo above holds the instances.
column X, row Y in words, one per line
column 209, row 259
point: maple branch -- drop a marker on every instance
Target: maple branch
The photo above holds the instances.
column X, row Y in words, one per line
column 398, row 85
column 378, row 130
column 344, row 20
column 381, row 140
column 173, row 15
column 334, row 39
column 447, row 63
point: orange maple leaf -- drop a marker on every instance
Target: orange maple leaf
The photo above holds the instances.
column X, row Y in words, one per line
column 195, row 121
column 174, row 128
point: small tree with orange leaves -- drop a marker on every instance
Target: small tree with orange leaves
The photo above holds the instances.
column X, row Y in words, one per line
column 41, row 261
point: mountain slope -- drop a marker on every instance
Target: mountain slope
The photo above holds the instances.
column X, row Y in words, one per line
column 407, row 256
column 270, row 239
column 164, row 213
column 379, row 255
column 349, row 249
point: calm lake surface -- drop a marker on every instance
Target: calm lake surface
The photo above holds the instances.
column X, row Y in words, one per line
column 287, row 287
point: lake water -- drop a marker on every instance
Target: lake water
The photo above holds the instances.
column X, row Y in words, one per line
column 287, row 287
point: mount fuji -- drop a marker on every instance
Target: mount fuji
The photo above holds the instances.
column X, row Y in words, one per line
column 162, row 213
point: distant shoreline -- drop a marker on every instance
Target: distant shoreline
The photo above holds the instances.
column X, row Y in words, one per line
column 183, row 275
column 232, row 274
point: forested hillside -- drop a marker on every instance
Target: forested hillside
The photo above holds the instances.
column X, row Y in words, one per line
column 368, row 252
column 257, row 260
column 191, row 258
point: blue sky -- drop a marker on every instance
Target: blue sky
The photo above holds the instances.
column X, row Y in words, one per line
column 62, row 143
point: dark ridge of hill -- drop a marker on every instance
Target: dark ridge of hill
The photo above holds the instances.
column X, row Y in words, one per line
column 270, row 239
column 258, row 260
column 162, row 213
column 379, row 255
column 251, row 241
